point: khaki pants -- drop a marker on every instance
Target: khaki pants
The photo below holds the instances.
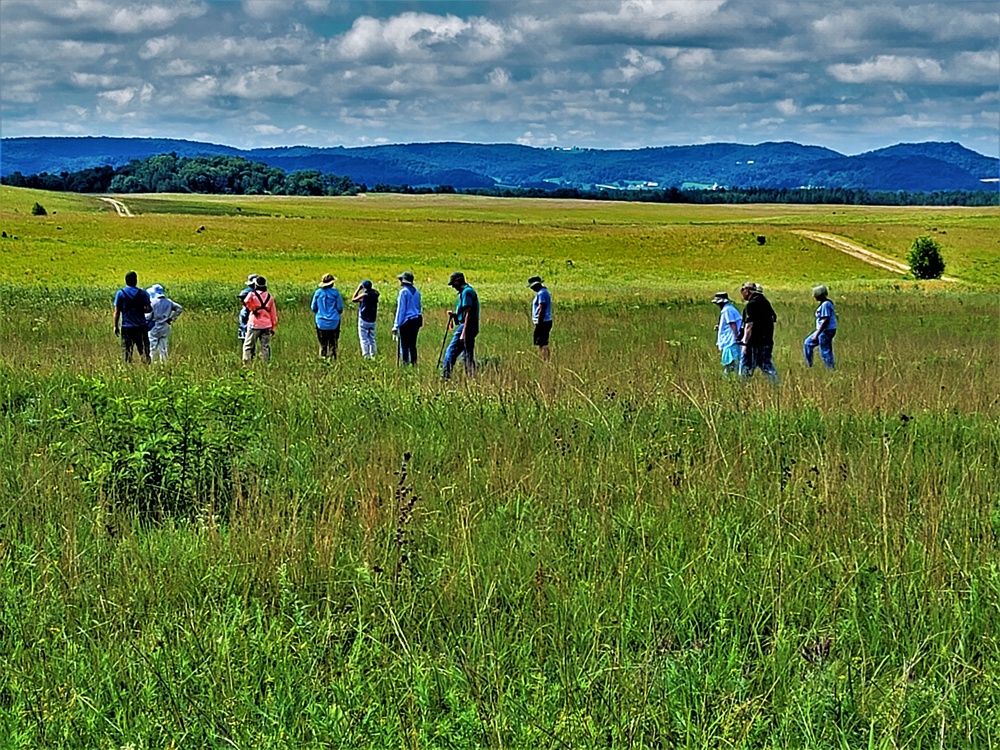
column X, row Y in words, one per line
column 250, row 344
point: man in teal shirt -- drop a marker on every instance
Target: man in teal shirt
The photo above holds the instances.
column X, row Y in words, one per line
column 466, row 317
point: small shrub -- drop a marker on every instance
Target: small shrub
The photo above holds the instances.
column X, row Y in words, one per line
column 38, row 210
column 925, row 259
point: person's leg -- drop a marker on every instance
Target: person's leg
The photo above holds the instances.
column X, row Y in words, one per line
column 334, row 340
column 826, row 347
column 766, row 365
column 451, row 354
column 265, row 344
column 250, row 345
column 128, row 343
column 363, row 338
column 372, row 346
column 157, row 346
column 408, row 342
column 321, row 338
column 469, row 355
column 747, row 362
column 808, row 347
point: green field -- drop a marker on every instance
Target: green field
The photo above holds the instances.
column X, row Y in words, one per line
column 616, row 549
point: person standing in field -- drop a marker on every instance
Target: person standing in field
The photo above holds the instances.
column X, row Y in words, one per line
column 541, row 316
column 367, row 298
column 328, row 306
column 466, row 318
column 131, row 306
column 409, row 318
column 826, row 329
column 244, row 313
column 262, row 322
column 728, row 333
column 165, row 312
column 758, row 333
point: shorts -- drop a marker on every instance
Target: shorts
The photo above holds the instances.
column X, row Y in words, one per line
column 542, row 331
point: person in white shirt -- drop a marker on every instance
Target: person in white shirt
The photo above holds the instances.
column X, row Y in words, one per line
column 165, row 312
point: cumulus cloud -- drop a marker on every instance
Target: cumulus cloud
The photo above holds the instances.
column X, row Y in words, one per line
column 604, row 73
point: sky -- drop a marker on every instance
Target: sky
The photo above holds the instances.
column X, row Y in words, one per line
column 851, row 75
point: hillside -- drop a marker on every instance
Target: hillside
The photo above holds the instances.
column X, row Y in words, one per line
column 914, row 167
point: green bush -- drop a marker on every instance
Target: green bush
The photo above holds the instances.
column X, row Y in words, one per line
column 38, row 210
column 925, row 258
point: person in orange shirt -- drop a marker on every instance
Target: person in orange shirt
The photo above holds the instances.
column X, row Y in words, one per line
column 262, row 322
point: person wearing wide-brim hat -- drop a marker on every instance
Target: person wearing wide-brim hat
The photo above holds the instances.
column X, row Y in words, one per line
column 466, row 318
column 165, row 312
column 409, row 318
column 328, row 306
column 244, row 313
column 261, row 323
column 728, row 333
column 541, row 316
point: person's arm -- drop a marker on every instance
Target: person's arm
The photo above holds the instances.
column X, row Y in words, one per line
column 175, row 312
column 541, row 311
column 747, row 332
column 359, row 294
column 736, row 331
column 274, row 314
column 118, row 315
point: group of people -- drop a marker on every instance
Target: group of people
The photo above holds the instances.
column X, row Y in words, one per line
column 142, row 318
column 747, row 340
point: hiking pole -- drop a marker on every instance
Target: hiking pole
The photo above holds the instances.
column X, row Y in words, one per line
column 444, row 341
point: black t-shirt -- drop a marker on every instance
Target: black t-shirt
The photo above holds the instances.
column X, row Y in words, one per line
column 369, row 306
column 759, row 312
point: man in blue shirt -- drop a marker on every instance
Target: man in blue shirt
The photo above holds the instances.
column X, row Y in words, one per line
column 466, row 317
column 826, row 329
column 131, row 306
column 541, row 316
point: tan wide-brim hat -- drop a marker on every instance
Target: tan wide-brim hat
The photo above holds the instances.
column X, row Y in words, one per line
column 327, row 281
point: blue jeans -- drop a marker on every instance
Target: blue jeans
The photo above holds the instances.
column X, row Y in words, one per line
column 466, row 348
column 825, row 344
column 755, row 357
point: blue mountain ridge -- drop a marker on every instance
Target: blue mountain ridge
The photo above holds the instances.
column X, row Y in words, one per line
column 930, row 166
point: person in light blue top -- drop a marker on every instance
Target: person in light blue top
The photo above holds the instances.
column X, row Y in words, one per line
column 826, row 329
column 728, row 333
column 328, row 305
column 409, row 318
column 541, row 316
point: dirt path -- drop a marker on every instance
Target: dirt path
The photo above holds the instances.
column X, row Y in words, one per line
column 120, row 207
column 859, row 251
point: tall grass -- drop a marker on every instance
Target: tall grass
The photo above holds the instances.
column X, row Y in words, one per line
column 618, row 549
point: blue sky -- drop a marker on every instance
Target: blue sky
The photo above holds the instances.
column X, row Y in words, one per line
column 853, row 75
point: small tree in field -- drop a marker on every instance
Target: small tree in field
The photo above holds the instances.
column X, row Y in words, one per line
column 925, row 259
column 38, row 210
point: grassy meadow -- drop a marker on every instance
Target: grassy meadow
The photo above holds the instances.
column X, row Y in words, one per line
column 616, row 549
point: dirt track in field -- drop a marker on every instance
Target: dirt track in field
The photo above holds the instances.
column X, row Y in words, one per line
column 859, row 251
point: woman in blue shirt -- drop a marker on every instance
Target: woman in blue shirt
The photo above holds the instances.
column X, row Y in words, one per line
column 328, row 305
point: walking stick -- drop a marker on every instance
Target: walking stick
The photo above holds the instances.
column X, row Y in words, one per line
column 444, row 341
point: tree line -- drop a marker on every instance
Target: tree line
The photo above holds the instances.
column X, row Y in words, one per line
column 233, row 175
column 169, row 173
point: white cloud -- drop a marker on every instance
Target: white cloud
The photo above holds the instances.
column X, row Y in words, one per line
column 118, row 97
column 267, row 130
column 786, row 107
column 891, row 69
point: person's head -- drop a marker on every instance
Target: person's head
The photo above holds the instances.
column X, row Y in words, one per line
column 366, row 285
column 535, row 283
column 131, row 278
column 155, row 291
column 327, row 281
column 406, row 277
column 260, row 284
column 820, row 292
column 251, row 279
column 721, row 299
column 456, row 280
column 748, row 290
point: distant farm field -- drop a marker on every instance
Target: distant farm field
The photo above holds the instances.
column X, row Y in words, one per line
column 615, row 549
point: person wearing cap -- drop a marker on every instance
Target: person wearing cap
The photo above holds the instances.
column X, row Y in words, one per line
column 165, row 312
column 262, row 321
column 466, row 318
column 409, row 318
column 244, row 313
column 328, row 305
column 826, row 329
column 758, row 333
column 367, row 298
column 541, row 316
column 728, row 333
column 131, row 306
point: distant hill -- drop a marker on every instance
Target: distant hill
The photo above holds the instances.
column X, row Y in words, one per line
column 913, row 167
